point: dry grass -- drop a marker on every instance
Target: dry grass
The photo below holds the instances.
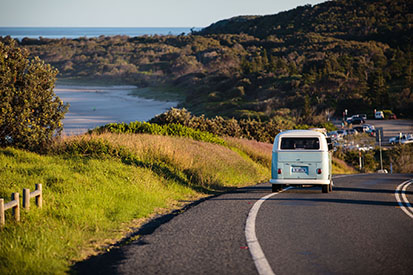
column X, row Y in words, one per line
column 341, row 167
column 205, row 164
column 260, row 152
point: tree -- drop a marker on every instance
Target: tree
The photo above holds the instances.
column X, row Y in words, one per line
column 30, row 112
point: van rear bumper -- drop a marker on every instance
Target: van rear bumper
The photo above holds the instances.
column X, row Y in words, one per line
column 300, row 181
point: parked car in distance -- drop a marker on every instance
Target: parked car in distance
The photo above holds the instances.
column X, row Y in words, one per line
column 403, row 139
column 361, row 129
column 356, row 121
column 392, row 116
column 351, row 132
column 333, row 135
column 366, row 128
column 341, row 133
column 379, row 115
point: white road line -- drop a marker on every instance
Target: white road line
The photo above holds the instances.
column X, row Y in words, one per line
column 401, row 189
column 261, row 263
column 258, row 256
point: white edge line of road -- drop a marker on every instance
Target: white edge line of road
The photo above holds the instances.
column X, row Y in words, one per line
column 261, row 263
column 401, row 189
column 258, row 256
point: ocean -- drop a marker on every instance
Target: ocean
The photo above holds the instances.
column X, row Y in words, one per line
column 71, row 33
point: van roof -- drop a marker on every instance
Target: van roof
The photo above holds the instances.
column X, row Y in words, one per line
column 301, row 133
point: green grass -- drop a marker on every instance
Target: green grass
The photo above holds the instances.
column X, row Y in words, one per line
column 95, row 187
column 173, row 129
column 85, row 201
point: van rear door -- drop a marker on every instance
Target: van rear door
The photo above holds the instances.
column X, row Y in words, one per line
column 299, row 157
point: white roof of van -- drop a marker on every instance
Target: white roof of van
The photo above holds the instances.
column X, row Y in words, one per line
column 298, row 134
column 301, row 133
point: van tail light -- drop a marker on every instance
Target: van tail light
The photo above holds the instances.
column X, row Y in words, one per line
column 319, row 171
column 279, row 171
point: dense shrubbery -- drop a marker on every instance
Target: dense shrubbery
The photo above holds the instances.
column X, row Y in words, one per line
column 264, row 131
column 171, row 129
column 30, row 111
column 244, row 128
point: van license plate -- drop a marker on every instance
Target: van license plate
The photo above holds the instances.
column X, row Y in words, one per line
column 299, row 169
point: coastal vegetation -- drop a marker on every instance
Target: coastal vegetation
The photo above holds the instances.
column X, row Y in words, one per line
column 307, row 63
column 30, row 112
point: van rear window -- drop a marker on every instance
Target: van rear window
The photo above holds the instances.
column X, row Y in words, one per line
column 288, row 143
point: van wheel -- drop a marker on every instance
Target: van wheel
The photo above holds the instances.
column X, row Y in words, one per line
column 277, row 187
column 325, row 188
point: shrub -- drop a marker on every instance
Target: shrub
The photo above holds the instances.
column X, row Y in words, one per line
column 264, row 131
column 30, row 111
column 401, row 158
column 172, row 129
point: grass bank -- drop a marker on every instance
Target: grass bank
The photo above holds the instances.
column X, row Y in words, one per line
column 96, row 187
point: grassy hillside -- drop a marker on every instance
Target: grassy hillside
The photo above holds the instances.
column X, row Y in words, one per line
column 96, row 187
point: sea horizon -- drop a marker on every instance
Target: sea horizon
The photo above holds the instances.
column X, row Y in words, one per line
column 89, row 32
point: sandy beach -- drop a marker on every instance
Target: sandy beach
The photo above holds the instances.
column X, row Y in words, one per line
column 92, row 106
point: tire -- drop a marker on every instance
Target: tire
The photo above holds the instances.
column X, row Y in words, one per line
column 325, row 188
column 277, row 187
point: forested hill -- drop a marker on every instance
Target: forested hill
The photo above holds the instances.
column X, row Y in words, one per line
column 300, row 64
column 387, row 21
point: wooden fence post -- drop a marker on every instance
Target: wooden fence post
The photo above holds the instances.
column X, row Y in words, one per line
column 39, row 198
column 2, row 220
column 26, row 198
column 16, row 209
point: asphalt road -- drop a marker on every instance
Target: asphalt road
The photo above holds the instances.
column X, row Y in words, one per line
column 359, row 228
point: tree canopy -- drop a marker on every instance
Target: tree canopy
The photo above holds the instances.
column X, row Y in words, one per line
column 31, row 113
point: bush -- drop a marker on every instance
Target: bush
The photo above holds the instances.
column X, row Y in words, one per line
column 172, row 129
column 30, row 111
column 401, row 158
column 264, row 131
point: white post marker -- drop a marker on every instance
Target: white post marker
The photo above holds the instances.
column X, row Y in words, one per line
column 261, row 263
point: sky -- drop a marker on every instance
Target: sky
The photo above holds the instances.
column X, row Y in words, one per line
column 134, row 13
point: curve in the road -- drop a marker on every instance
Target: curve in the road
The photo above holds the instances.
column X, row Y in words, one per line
column 258, row 256
column 261, row 263
column 401, row 198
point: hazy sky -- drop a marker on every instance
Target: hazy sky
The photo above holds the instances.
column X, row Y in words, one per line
column 134, row 13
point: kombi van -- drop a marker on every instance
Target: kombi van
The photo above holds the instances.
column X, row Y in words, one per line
column 301, row 157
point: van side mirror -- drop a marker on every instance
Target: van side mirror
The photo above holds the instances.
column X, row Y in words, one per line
column 329, row 144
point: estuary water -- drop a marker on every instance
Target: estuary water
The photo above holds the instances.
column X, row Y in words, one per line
column 92, row 106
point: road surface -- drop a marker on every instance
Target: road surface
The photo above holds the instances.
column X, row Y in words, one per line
column 359, row 228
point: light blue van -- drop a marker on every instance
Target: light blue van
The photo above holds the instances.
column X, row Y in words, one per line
column 301, row 157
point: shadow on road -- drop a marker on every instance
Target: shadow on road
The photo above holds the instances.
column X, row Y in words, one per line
column 368, row 190
column 107, row 263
